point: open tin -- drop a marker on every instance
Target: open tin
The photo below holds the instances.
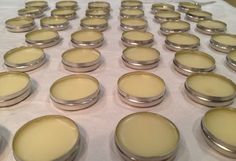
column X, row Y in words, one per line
column 131, row 13
column 163, row 16
column 198, row 15
column 132, row 4
column 64, row 13
column 43, row 38
column 15, row 87
column 188, row 6
column 127, row 24
column 170, row 27
column 69, row 4
column 156, row 7
column 31, row 12
column 159, row 140
column 99, row 5
column 98, row 13
column 75, row 92
column 141, row 89
column 40, row 4
column 55, row 23
column 210, row 89
column 99, row 24
column 81, row 59
column 50, row 137
column 211, row 27
column 20, row 24
column 231, row 59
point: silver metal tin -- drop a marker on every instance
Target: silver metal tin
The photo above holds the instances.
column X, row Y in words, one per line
column 231, row 62
column 188, row 6
column 186, row 70
column 192, row 16
column 42, row 5
column 20, row 28
column 128, row 27
column 43, row 43
column 209, row 30
column 31, row 12
column 99, row 27
column 97, row 13
column 165, row 31
column 141, row 102
column 81, row 67
column 57, row 26
column 69, row 156
column 211, row 101
column 159, row 18
column 70, row 15
column 78, row 104
column 99, row 5
column 156, row 7
column 124, row 13
column 132, row 4
column 176, row 47
column 70, row 4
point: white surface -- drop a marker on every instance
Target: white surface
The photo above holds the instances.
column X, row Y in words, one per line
column 98, row 122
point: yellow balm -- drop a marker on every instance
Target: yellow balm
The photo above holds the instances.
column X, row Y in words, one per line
column 87, row 35
column 41, row 35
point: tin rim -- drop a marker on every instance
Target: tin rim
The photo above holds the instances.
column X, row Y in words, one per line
column 36, row 14
column 43, row 7
column 230, row 62
column 101, row 27
column 218, row 46
column 57, row 27
column 210, row 31
column 156, row 7
column 60, row 5
column 92, row 5
column 166, row 31
column 69, row 16
column 126, row 27
column 139, row 4
column 183, row 8
column 124, row 15
column 195, row 18
column 161, row 19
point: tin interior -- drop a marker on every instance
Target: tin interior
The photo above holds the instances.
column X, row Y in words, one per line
column 94, row 22
column 174, row 27
column 188, row 6
column 42, row 36
column 54, row 21
column 211, row 26
column 131, row 13
column 133, row 23
column 161, row 6
column 223, row 42
column 70, row 4
column 67, row 13
column 87, row 36
column 99, row 4
column 20, row 22
column 197, row 15
column 131, row 4
column 137, row 36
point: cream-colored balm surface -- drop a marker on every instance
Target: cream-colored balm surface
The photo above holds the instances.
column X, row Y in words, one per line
column 147, row 135
column 37, row 4
column 74, row 88
column 94, row 21
column 19, row 22
column 54, row 21
column 175, row 25
column 142, row 85
column 168, row 14
column 221, row 124
column 66, row 3
column 212, row 24
column 141, row 54
column 99, row 4
column 232, row 55
column 138, row 35
column 130, row 3
column 225, row 39
column 200, row 13
column 12, row 82
column 183, row 39
column 87, row 35
column 211, row 85
column 134, row 22
column 46, row 139
column 133, row 12
column 61, row 12
column 97, row 12
column 42, row 35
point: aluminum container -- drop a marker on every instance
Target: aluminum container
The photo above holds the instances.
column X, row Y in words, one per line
column 156, row 7
column 131, row 13
column 198, row 15
column 55, row 23
column 188, row 6
column 211, row 27
column 170, row 27
column 64, row 13
column 163, row 16
column 40, row 4
column 132, row 4
column 69, row 4
column 20, row 24
column 31, row 12
column 99, row 24
column 127, row 24
column 231, row 59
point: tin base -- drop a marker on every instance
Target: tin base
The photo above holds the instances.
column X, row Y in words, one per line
column 56, row 28
column 175, row 47
column 139, row 66
column 209, row 31
column 45, row 45
column 87, row 45
column 131, row 44
column 81, row 69
column 219, row 48
column 18, row 30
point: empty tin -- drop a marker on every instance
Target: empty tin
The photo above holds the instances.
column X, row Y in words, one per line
column 20, row 24
column 69, row 14
column 132, row 4
column 127, row 24
column 40, row 4
column 211, row 27
column 69, row 4
column 198, row 15
column 99, row 24
column 188, row 6
column 55, row 23
column 178, row 26
column 163, row 16
column 131, row 13
column 31, row 12
column 231, row 59
column 156, row 7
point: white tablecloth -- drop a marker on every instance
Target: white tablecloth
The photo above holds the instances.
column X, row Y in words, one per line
column 98, row 122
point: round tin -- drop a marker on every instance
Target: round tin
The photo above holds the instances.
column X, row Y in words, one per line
column 127, row 24
column 218, row 129
column 231, row 59
column 141, row 89
column 99, row 5
column 31, row 12
column 24, row 58
column 50, row 137
column 137, row 38
column 156, row 7
column 179, row 41
column 132, row 4
column 87, row 38
column 188, row 6
column 223, row 42
column 131, row 13
column 141, row 57
column 20, row 24
column 42, row 5
column 75, row 92
column 211, row 27
column 64, row 13
column 69, row 4
column 15, row 87
column 163, row 16
column 55, row 23
column 198, row 15
column 43, row 38
column 193, row 61
column 136, row 141
column 99, row 24
column 81, row 59
column 170, row 27
column 210, row 89
column 98, row 13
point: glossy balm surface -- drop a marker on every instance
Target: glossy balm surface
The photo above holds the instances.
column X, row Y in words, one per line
column 87, row 35
column 19, row 22
column 134, row 22
column 225, row 39
column 141, row 54
column 138, row 36
column 94, row 21
column 42, row 35
column 54, row 21
column 175, row 25
column 182, row 39
column 212, row 24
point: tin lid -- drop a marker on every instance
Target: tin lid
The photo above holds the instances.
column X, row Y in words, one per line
column 43, row 38
column 136, row 141
column 193, row 61
column 188, row 6
column 20, row 24
column 68, row 4
column 141, row 89
column 218, row 127
column 198, row 15
column 127, row 24
column 179, row 41
column 81, row 59
column 99, row 24
column 178, row 26
column 211, row 27
column 98, row 13
column 223, row 42
column 132, row 4
column 99, row 4
column 231, row 59
column 87, row 38
column 31, row 12
column 131, row 13
column 55, row 23
column 43, row 5
column 75, row 92
column 65, row 13
column 137, row 38
column 163, row 16
column 141, row 57
column 210, row 89
column 57, row 138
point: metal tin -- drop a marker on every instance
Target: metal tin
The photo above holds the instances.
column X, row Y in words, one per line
column 197, row 65
column 198, row 15
column 23, row 52
column 38, row 126
column 188, row 6
column 156, row 7
column 127, row 24
column 131, row 13
column 42, row 5
column 211, row 27
column 223, row 42
column 212, row 139
column 210, row 99
column 69, row 4
column 91, row 38
column 98, row 13
column 74, row 59
column 43, row 38
column 64, row 13
column 137, row 38
column 163, row 16
column 21, row 93
column 132, row 4
column 179, row 41
column 55, row 23
column 131, row 57
column 137, row 100
column 99, row 24
column 31, row 12
column 99, row 5
column 170, row 27
column 157, row 123
column 231, row 59
column 77, row 103
column 20, row 24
